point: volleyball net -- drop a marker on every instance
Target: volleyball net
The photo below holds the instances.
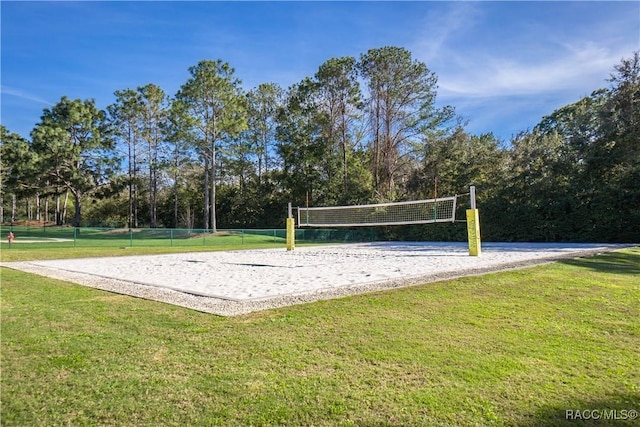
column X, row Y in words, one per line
column 396, row 213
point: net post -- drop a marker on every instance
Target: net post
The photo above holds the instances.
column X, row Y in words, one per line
column 473, row 225
column 472, row 192
column 291, row 230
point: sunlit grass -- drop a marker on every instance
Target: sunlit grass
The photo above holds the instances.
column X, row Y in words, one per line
column 66, row 242
column 511, row 348
column 25, row 253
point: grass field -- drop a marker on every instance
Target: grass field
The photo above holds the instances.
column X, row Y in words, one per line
column 96, row 242
column 157, row 240
column 516, row 348
column 53, row 238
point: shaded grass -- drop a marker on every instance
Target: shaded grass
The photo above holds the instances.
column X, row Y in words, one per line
column 611, row 262
column 512, row 348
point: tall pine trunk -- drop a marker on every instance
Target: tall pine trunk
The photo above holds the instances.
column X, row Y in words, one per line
column 14, row 208
column 213, row 188
column 206, row 192
column 176, row 187
column 78, row 208
column 64, row 208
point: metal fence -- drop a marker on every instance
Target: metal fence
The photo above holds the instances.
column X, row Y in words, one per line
column 60, row 237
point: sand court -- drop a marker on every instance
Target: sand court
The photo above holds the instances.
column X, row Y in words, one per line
column 256, row 279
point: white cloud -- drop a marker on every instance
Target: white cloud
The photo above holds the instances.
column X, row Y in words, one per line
column 505, row 78
column 432, row 44
column 579, row 67
column 18, row 93
column 475, row 59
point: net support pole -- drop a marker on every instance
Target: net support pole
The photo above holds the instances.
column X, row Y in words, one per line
column 291, row 229
column 473, row 225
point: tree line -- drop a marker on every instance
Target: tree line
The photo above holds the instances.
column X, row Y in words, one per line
column 361, row 130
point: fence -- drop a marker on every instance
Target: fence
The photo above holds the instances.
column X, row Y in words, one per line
column 61, row 237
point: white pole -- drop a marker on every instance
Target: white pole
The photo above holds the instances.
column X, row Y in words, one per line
column 290, row 211
column 472, row 190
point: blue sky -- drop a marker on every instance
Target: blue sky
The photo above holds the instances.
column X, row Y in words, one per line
column 502, row 65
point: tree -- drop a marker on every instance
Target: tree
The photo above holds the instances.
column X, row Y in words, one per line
column 451, row 164
column 17, row 170
column 401, row 108
column 339, row 108
column 615, row 157
column 563, row 187
column 318, row 133
column 213, row 98
column 179, row 134
column 262, row 106
column 124, row 116
column 74, row 148
column 301, row 147
column 592, row 171
column 154, row 116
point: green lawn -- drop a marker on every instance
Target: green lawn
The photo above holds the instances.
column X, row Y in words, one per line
column 24, row 253
column 158, row 240
column 516, row 348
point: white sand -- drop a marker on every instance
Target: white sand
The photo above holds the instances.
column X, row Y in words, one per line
column 238, row 282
